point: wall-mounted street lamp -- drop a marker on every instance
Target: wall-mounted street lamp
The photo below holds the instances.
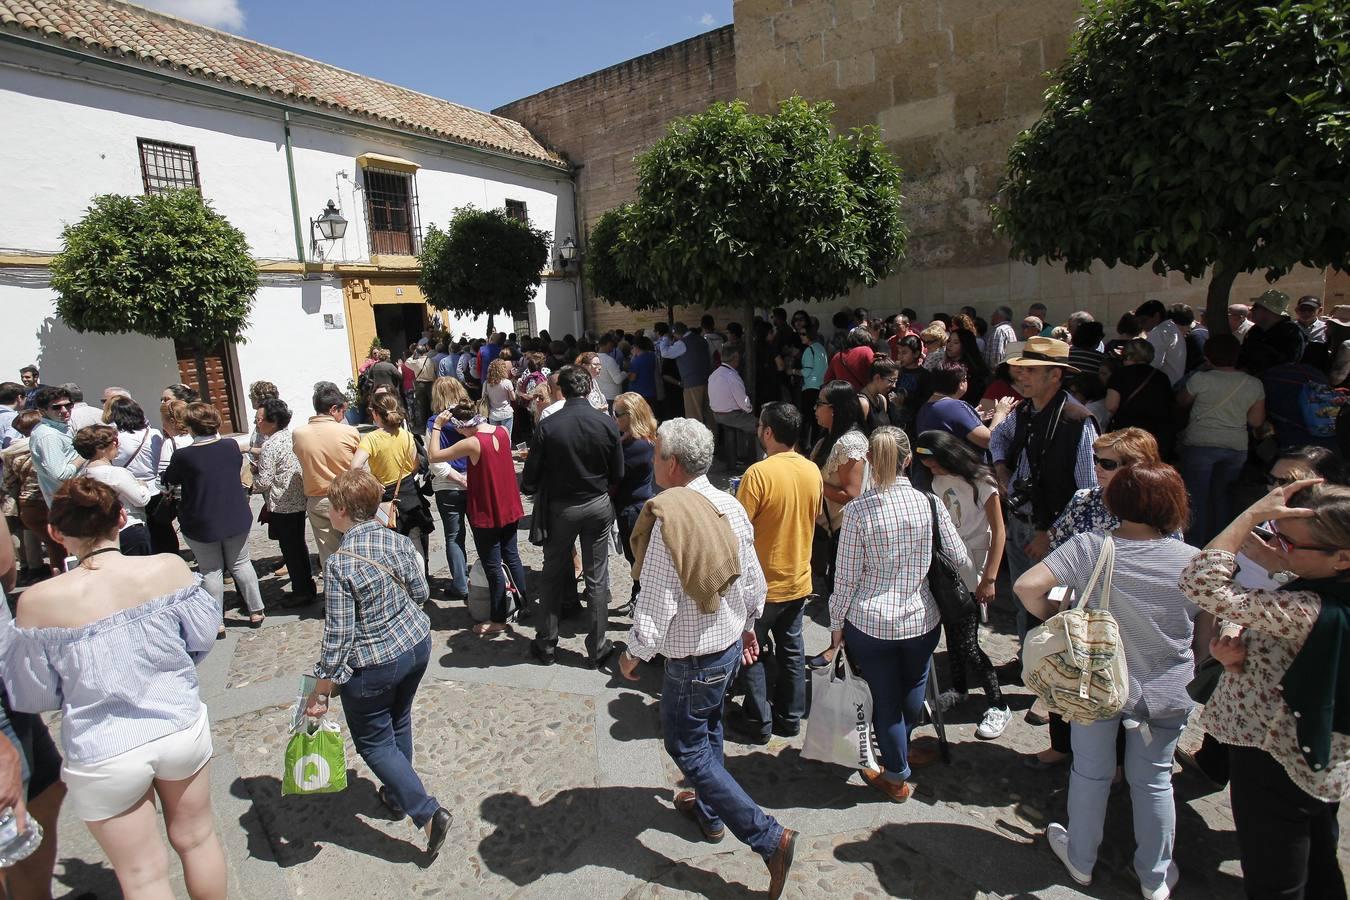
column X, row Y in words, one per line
column 567, row 252
column 330, row 226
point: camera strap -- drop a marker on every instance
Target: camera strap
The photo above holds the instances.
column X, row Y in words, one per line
column 1027, row 438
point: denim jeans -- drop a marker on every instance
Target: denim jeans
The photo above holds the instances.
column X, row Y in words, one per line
column 691, row 723
column 506, row 423
column 377, row 701
column 1210, row 473
column 1286, row 837
column 215, row 556
column 897, row 674
column 1148, row 769
column 782, row 664
column 1019, row 535
column 495, row 547
column 451, row 505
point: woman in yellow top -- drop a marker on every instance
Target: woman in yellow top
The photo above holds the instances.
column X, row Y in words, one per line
column 392, row 456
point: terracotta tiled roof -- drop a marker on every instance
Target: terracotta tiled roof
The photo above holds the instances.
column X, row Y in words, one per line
column 131, row 32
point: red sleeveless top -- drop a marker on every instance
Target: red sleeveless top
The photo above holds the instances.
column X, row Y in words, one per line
column 493, row 493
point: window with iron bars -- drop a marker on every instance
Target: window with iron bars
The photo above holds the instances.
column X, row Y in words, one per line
column 167, row 167
column 391, row 212
column 515, row 209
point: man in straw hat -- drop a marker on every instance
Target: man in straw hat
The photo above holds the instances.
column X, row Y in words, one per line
column 1274, row 338
column 1042, row 453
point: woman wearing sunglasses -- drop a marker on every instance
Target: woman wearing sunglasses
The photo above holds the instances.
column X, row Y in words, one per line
column 1284, row 715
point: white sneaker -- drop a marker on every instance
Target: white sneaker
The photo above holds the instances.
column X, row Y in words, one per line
column 1058, row 836
column 993, row 723
column 1164, row 890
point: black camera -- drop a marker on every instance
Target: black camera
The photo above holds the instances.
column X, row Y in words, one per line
column 1021, row 493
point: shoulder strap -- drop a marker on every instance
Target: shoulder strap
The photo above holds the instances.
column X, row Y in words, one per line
column 937, row 534
column 137, row 452
column 383, row 568
column 1106, row 562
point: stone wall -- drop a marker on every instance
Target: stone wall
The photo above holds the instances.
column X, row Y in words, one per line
column 951, row 83
column 601, row 121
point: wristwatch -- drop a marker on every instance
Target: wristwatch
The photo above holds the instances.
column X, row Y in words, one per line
column 1283, row 577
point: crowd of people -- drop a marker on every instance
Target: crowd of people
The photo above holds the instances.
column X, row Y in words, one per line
column 1012, row 444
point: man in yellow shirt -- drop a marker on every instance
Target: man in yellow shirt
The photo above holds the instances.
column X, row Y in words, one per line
column 781, row 495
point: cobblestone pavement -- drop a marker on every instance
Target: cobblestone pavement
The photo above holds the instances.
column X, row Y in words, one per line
column 560, row 787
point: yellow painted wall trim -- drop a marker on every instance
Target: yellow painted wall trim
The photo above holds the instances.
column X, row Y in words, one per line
column 391, row 261
column 26, row 260
column 392, row 163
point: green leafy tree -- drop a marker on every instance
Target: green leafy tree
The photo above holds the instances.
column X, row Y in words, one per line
column 483, row 263
column 164, row 265
column 1195, row 135
column 741, row 209
column 611, row 269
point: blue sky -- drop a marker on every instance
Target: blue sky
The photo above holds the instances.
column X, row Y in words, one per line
column 480, row 54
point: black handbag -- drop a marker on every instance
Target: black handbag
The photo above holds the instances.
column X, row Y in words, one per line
column 539, row 518
column 953, row 598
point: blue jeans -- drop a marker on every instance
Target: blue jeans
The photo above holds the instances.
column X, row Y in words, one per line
column 1019, row 535
column 505, row 423
column 782, row 662
column 377, row 701
column 451, row 505
column 1148, row 768
column 1210, row 473
column 897, row 674
column 691, row 722
column 497, row 546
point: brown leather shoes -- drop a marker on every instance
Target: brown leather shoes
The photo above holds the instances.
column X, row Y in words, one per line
column 781, row 862
column 899, row 791
column 685, row 802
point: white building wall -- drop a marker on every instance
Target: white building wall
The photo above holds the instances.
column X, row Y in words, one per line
column 71, row 134
column 32, row 333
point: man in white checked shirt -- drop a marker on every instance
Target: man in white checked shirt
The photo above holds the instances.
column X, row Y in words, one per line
column 703, row 652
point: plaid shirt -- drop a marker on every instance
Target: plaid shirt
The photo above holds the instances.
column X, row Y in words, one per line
column 371, row 618
column 668, row 621
column 881, row 571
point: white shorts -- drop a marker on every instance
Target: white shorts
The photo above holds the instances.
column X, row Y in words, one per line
column 111, row 787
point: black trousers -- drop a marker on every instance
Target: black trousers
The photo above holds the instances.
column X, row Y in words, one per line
column 288, row 530
column 1286, row 837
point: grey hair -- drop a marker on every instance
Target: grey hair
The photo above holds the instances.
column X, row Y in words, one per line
column 73, row 389
column 1078, row 318
column 689, row 442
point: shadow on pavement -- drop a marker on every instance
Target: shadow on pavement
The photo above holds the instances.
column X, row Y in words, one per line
column 636, row 718
column 591, row 827
column 86, row 880
column 293, row 830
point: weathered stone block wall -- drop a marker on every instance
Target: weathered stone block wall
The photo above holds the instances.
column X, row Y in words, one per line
column 601, row 121
column 951, row 83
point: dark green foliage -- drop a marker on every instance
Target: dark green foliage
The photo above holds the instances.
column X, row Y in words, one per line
column 735, row 208
column 483, row 263
column 1190, row 134
column 164, row 265
column 609, row 263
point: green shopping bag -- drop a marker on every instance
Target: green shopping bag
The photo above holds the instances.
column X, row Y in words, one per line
column 316, row 761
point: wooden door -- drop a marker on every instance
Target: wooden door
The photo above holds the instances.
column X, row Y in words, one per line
column 211, row 374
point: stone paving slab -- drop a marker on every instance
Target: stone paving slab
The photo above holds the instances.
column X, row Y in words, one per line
column 560, row 787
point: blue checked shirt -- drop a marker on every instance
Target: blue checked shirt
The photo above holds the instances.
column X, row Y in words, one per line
column 371, row 618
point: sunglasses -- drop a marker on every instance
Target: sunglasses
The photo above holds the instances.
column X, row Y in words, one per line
column 1108, row 465
column 1273, row 482
column 1030, row 325
column 64, row 404
column 1288, row 546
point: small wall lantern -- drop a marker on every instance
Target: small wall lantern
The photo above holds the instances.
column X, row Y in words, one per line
column 567, row 252
column 331, row 225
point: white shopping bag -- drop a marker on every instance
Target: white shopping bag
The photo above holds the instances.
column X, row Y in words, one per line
column 839, row 729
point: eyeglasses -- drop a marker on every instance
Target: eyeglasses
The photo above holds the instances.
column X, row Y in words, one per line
column 1108, row 465
column 1288, row 546
column 63, row 404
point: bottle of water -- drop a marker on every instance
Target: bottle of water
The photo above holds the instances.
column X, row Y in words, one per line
column 16, row 845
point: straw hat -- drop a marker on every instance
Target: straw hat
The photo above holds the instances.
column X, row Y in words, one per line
column 1340, row 315
column 1275, row 301
column 1044, row 351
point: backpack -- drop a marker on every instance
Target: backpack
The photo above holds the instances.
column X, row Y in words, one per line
column 1075, row 661
column 1320, row 405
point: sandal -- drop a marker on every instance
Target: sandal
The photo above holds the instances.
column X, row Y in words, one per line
column 489, row 629
column 256, row 620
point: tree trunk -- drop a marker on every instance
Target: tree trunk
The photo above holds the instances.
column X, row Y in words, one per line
column 751, row 352
column 491, row 330
column 1216, row 304
column 670, row 313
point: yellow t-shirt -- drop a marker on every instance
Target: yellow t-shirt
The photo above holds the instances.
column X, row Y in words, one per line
column 781, row 496
column 392, row 456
